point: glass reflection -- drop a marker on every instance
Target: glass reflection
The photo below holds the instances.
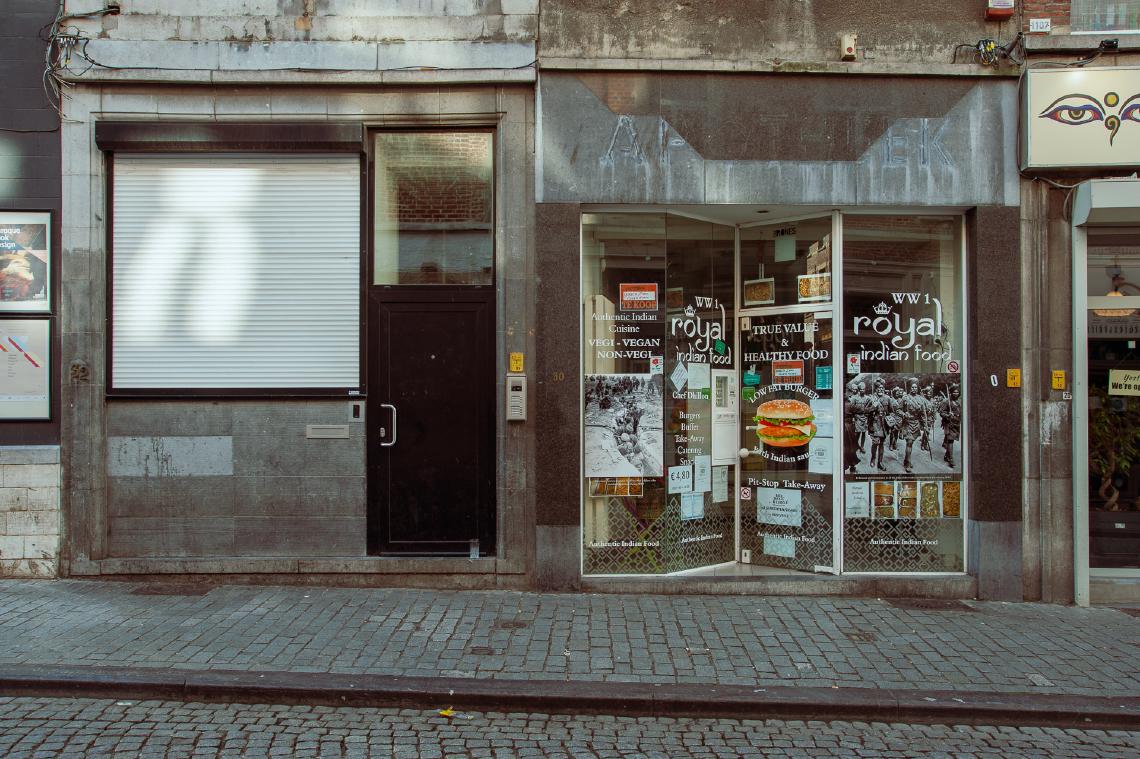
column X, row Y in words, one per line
column 433, row 208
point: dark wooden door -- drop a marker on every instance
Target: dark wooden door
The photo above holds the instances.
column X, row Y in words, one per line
column 431, row 421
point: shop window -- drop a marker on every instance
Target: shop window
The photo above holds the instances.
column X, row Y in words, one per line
column 659, row 389
column 786, row 264
column 1113, row 382
column 787, row 430
column 434, row 208
column 903, row 407
column 235, row 272
column 1105, row 15
column 707, row 430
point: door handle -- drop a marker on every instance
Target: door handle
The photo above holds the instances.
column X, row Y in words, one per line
column 393, row 441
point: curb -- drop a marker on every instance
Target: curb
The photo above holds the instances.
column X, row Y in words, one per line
column 582, row 697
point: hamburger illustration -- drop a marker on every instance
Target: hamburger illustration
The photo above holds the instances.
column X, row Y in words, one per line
column 784, row 423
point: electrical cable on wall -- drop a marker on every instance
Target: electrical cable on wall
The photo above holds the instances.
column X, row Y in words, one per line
column 989, row 52
column 61, row 44
column 66, row 53
column 66, row 45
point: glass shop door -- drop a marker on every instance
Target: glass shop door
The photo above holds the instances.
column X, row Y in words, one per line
column 1113, row 421
column 787, row 428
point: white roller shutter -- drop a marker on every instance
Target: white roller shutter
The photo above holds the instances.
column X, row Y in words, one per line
column 236, row 271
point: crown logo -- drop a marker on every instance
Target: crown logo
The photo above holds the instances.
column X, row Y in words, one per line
column 882, row 309
column 690, row 311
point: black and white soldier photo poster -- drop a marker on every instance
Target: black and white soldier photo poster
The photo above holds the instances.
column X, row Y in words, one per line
column 624, row 431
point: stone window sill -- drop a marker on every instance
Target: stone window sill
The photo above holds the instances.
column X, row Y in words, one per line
column 1079, row 43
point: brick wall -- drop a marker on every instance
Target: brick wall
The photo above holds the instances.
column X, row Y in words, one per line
column 29, row 511
column 440, row 178
column 1056, row 10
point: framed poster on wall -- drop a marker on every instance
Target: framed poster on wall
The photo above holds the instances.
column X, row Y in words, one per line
column 25, row 347
column 25, row 262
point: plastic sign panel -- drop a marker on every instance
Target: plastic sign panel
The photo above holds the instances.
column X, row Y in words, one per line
column 25, row 262
column 1081, row 118
column 25, row 346
column 638, row 296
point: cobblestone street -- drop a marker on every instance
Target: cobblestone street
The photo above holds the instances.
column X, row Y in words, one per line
column 43, row 727
column 730, row 640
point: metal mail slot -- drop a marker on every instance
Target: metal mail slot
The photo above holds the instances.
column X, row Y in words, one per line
column 326, row 431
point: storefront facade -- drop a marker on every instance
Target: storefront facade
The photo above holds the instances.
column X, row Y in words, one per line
column 717, row 309
column 781, row 336
column 252, row 423
column 294, row 276
column 1106, row 430
column 1077, row 143
column 855, row 476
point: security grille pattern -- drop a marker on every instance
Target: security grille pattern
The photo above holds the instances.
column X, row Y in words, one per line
column 666, row 544
column 812, row 541
column 902, row 545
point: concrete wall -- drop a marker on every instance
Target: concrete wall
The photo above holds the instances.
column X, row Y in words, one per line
column 1047, row 326
column 697, row 138
column 179, row 485
column 784, row 34
column 191, row 40
column 233, row 478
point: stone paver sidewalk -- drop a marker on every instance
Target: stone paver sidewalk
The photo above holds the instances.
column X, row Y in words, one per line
column 739, row 640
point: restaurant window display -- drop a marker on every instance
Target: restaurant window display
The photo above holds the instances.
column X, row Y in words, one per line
column 902, row 394
column 787, row 395
column 787, row 430
column 658, row 388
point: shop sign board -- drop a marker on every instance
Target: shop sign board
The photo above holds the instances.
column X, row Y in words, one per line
column 1123, row 382
column 1079, row 118
column 1114, row 327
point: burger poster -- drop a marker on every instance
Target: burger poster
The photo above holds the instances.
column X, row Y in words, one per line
column 783, row 353
column 784, row 423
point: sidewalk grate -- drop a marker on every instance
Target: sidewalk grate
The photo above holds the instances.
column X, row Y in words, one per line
column 481, row 651
column 929, row 604
column 172, row 589
column 511, row 624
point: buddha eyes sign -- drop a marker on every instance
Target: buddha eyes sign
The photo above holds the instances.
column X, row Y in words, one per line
column 1078, row 109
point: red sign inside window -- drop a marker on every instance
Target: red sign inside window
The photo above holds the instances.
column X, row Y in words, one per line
column 638, row 296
